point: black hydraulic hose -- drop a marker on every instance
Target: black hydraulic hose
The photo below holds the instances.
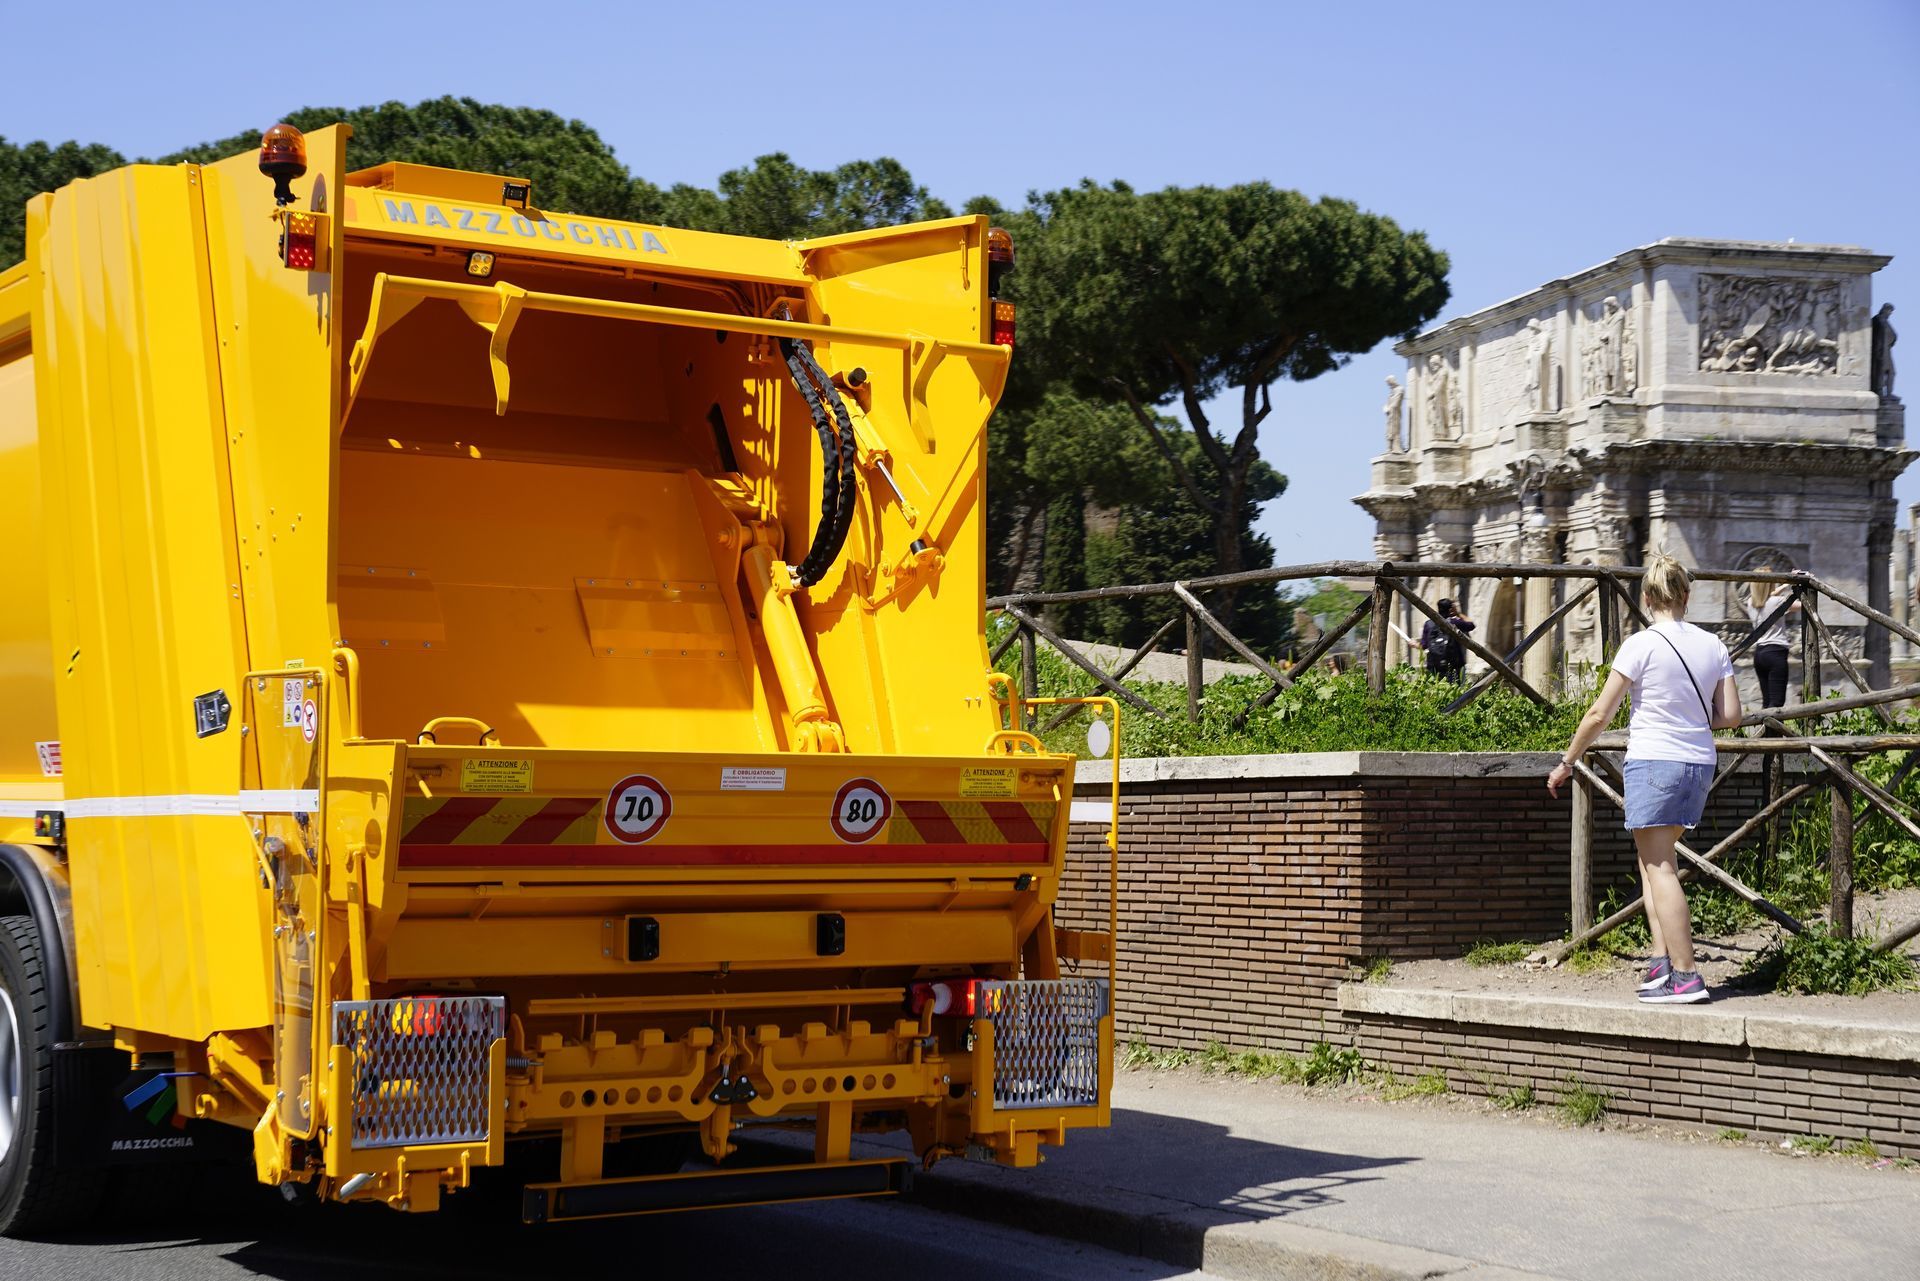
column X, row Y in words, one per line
column 838, row 486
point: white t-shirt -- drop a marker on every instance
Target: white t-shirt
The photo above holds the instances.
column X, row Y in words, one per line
column 1668, row 722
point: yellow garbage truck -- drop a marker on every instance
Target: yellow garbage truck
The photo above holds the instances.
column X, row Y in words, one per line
column 491, row 687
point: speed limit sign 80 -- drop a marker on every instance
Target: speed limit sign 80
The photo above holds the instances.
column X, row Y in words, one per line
column 861, row 809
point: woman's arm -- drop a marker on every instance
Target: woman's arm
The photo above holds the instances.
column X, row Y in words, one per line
column 1605, row 704
column 1726, row 704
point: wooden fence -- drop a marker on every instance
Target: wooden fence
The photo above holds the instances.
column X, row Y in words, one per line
column 1831, row 762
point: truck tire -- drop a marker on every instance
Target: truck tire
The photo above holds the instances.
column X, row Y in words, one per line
column 42, row 1188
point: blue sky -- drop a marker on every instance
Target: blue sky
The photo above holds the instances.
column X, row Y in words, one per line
column 1527, row 139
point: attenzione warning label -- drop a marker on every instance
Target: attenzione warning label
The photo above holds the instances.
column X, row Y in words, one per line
column 496, row 774
column 989, row 780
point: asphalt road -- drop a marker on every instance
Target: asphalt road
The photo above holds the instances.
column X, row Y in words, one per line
column 202, row 1225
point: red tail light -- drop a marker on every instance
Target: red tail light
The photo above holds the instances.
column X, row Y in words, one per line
column 949, row 996
column 300, row 241
column 1002, row 324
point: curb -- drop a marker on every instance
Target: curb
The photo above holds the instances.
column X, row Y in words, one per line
column 1235, row 1247
column 1226, row 1245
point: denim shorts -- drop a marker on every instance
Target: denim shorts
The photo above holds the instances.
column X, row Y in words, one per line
column 1666, row 793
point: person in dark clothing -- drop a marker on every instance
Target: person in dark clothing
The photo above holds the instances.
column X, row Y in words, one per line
column 1446, row 657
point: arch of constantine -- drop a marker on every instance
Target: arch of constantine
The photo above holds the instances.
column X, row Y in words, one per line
column 1728, row 402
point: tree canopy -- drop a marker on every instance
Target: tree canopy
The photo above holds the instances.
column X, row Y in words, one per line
column 1185, row 293
column 29, row 169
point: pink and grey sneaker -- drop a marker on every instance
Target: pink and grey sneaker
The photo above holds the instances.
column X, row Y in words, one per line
column 1657, row 973
column 1678, row 989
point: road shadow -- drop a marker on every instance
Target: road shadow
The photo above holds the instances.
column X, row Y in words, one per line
column 1199, row 1165
column 1147, row 1167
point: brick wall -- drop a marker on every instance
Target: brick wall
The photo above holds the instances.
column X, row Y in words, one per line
column 1763, row 1092
column 1250, row 886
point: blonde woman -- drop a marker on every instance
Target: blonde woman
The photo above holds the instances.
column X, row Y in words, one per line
column 1681, row 680
column 1770, row 649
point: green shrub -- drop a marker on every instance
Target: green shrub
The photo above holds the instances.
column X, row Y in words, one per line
column 1718, row 912
column 1818, row 962
column 1325, row 1065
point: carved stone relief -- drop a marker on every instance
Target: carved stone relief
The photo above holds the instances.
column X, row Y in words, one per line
column 1765, row 325
column 1610, row 361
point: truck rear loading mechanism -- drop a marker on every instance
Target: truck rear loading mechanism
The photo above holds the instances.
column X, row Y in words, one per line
column 482, row 686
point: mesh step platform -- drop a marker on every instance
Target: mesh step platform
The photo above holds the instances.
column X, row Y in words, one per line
column 421, row 1067
column 1046, row 1040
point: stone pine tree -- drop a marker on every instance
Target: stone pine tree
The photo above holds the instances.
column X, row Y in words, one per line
column 1183, row 294
column 29, row 169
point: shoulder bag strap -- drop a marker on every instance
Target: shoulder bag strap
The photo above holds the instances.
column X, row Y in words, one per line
column 1689, row 671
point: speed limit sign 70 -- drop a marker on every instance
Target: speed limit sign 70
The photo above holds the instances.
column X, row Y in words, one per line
column 638, row 806
column 860, row 810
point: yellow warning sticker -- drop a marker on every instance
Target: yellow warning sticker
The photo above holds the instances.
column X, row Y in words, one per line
column 496, row 774
column 988, row 780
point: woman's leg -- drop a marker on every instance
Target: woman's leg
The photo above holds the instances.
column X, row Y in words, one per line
column 1666, row 897
column 1646, row 901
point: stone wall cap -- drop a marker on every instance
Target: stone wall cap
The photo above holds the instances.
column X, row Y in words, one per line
column 1801, row 1034
column 1284, row 765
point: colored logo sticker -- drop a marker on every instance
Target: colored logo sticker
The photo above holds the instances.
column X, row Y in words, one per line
column 637, row 808
column 309, row 720
column 861, row 809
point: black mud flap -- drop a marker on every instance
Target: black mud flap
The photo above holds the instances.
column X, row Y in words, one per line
column 110, row 1113
column 712, row 1189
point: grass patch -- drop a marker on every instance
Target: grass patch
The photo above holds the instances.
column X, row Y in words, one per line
column 1861, row 1147
column 1816, row 962
column 1814, row 1144
column 1580, row 1103
column 1485, row 953
column 1590, row 960
column 1322, row 1065
column 1515, row 1098
column 1377, row 970
column 1139, row 1055
column 1731, row 1135
column 1427, row 1084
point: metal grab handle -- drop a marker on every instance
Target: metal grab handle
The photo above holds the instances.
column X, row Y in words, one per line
column 487, row 736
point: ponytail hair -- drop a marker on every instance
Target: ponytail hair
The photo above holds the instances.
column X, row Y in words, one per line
column 1667, row 583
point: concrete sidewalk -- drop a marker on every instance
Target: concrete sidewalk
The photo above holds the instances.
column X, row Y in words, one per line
column 1254, row 1180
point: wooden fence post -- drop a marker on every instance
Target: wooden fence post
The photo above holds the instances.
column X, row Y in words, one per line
column 1582, row 855
column 1840, row 859
column 1609, row 612
column 1813, row 684
column 1029, row 673
column 1196, row 669
column 1378, row 629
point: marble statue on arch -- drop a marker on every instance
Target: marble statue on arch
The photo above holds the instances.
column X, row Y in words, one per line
column 1396, row 394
